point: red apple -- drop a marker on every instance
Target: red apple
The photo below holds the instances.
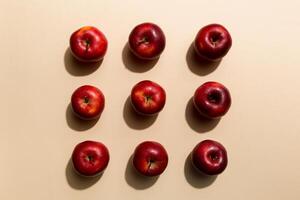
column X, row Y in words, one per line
column 209, row 157
column 212, row 42
column 212, row 100
column 88, row 44
column 90, row 158
column 148, row 98
column 150, row 158
column 87, row 102
column 147, row 41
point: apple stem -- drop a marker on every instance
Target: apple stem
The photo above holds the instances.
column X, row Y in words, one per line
column 143, row 40
column 86, row 100
column 87, row 45
column 215, row 38
column 149, row 164
column 148, row 98
column 89, row 158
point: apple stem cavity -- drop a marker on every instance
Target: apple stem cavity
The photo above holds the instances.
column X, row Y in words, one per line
column 144, row 40
column 148, row 98
column 214, row 97
column 215, row 38
column 214, row 156
column 89, row 158
column 150, row 162
column 86, row 100
column 87, row 44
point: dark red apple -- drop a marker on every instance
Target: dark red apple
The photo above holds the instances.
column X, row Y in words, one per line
column 212, row 100
column 88, row 44
column 213, row 42
column 87, row 102
column 90, row 158
column 150, row 158
column 209, row 157
column 148, row 98
column 147, row 41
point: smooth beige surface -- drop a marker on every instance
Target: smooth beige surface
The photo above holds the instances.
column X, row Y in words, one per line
column 261, row 131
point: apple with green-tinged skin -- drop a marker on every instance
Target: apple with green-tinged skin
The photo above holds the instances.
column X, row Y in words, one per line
column 90, row 158
column 150, row 158
column 212, row 42
column 148, row 97
column 209, row 157
column 147, row 41
column 212, row 100
column 88, row 102
column 88, row 44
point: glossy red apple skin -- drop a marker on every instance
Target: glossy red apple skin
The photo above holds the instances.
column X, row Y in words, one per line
column 212, row 100
column 148, row 98
column 210, row 157
column 150, row 158
column 90, row 158
column 88, row 44
column 213, row 42
column 88, row 102
column 147, row 41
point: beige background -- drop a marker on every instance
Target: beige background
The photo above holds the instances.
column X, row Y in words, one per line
column 261, row 131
